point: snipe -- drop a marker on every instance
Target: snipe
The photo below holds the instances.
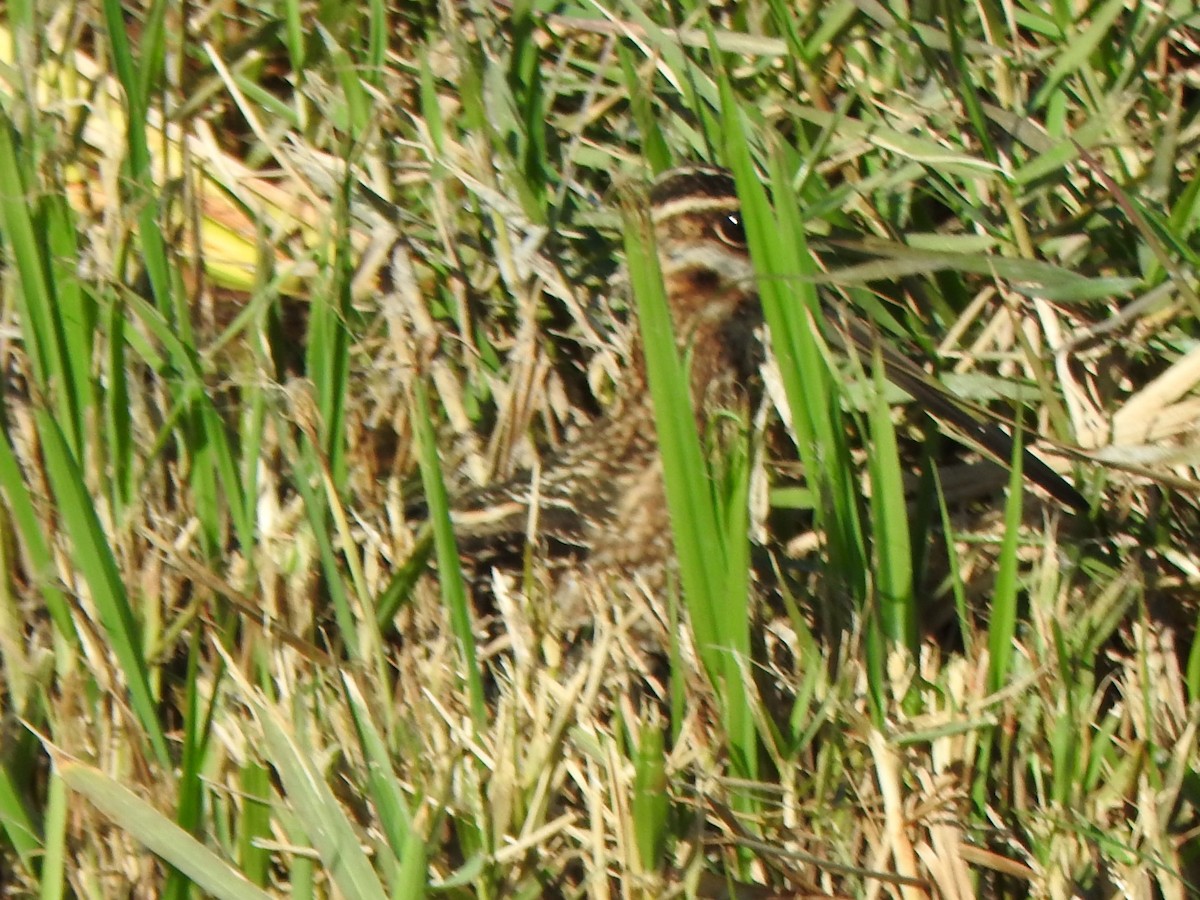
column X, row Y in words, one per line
column 601, row 501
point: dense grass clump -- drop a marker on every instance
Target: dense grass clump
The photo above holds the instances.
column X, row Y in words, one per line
column 276, row 275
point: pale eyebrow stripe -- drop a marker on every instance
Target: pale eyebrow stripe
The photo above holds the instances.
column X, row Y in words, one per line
column 730, row 265
column 694, row 204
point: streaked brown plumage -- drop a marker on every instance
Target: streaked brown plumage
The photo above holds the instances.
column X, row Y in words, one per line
column 602, row 499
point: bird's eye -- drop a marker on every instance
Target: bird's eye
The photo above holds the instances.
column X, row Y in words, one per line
column 729, row 229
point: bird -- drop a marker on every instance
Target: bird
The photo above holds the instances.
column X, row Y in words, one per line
column 601, row 501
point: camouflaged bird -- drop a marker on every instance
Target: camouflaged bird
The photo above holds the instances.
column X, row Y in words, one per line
column 602, row 499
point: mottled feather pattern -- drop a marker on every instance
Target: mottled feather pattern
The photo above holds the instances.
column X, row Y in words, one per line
column 602, row 499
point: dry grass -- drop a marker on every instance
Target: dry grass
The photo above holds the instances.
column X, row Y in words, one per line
column 221, row 671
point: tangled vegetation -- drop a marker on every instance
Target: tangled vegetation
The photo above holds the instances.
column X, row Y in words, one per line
column 272, row 274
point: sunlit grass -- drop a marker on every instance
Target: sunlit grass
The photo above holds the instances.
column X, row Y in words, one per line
column 379, row 254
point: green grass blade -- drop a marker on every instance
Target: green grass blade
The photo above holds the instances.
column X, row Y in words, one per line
column 450, row 577
column 651, row 802
column 641, row 101
column 784, row 266
column 892, row 543
column 387, row 797
column 964, row 81
column 356, row 100
column 308, row 474
column 118, row 426
column 1002, row 624
column 1193, row 668
column 377, row 35
column 1079, row 48
column 137, row 83
column 400, row 589
column 328, row 350
column 33, row 536
column 712, row 560
column 159, row 834
column 254, row 822
column 698, row 538
column 395, row 815
column 57, row 813
column 41, row 315
column 94, row 559
column 17, row 824
column 318, row 812
column 75, row 311
column 528, row 95
column 202, row 430
column 295, row 36
column 410, row 879
column 197, row 731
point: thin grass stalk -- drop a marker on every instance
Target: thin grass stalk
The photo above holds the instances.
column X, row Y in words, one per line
column 528, row 95
column 328, row 346
column 734, row 614
column 654, row 144
column 52, row 877
column 1001, row 634
column 701, row 545
column 376, row 44
column 19, row 827
column 118, row 434
column 41, row 317
column 355, row 107
column 35, row 544
column 94, row 558
column 137, row 81
column 294, row 38
column 406, row 865
column 892, row 544
column 450, row 575
column 188, row 812
column 957, row 586
column 1002, row 622
column 196, row 425
column 253, row 824
column 309, row 472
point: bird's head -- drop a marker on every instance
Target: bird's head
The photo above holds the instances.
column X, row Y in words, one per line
column 701, row 244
